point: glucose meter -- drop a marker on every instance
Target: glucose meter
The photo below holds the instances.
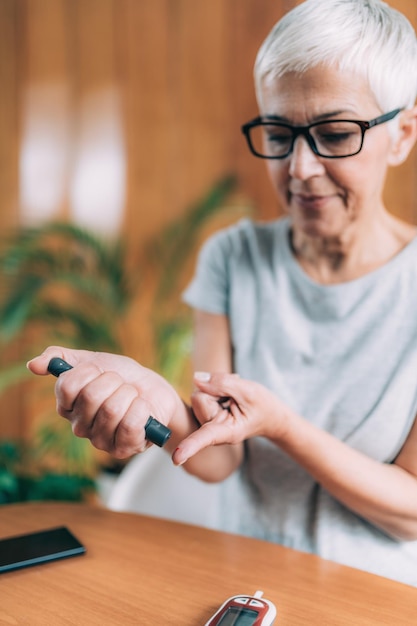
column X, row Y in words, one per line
column 244, row 611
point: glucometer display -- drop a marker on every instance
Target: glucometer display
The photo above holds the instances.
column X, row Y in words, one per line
column 238, row 617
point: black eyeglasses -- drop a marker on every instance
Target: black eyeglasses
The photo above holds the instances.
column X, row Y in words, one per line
column 332, row 139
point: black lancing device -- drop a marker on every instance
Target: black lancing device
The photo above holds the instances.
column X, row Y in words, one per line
column 154, row 430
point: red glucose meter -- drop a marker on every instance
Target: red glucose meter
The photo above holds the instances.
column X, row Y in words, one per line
column 245, row 611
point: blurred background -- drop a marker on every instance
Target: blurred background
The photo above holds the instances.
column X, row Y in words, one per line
column 120, row 150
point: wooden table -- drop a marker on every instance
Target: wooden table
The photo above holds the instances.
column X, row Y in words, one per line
column 150, row 572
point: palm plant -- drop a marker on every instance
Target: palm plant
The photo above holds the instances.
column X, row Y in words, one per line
column 61, row 284
column 64, row 281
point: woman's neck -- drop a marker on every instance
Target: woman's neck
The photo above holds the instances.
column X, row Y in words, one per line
column 354, row 253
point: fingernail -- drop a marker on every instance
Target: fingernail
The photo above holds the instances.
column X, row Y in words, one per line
column 204, row 377
column 178, row 463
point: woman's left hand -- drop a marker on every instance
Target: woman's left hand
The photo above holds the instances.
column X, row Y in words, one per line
column 385, row 494
column 230, row 410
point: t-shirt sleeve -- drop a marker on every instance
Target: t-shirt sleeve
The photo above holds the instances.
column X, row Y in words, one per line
column 209, row 288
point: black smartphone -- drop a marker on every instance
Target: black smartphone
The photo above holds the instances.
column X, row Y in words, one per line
column 38, row 547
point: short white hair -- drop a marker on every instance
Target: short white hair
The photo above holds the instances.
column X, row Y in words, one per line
column 366, row 37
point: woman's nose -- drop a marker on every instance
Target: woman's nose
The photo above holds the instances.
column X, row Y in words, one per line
column 304, row 163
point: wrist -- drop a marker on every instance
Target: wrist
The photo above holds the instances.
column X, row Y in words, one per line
column 279, row 424
column 183, row 423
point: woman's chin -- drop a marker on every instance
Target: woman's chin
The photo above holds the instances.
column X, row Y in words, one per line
column 317, row 226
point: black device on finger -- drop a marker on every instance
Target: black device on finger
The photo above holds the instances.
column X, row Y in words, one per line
column 155, row 432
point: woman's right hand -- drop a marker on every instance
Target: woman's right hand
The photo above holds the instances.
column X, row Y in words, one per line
column 109, row 398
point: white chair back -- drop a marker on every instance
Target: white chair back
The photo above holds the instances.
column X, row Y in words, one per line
column 152, row 485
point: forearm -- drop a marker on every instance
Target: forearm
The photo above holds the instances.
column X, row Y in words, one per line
column 213, row 352
column 384, row 494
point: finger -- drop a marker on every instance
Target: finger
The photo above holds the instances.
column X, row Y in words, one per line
column 210, row 434
column 129, row 437
column 107, row 431
column 205, row 406
column 75, row 393
column 91, row 409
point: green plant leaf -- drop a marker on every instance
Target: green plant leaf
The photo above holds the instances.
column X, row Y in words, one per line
column 172, row 246
column 52, row 486
column 12, row 375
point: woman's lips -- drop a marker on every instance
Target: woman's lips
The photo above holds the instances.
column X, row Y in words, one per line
column 311, row 202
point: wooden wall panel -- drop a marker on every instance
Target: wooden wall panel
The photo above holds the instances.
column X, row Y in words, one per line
column 11, row 413
column 8, row 114
column 144, row 37
column 201, row 74
column 44, row 35
column 43, row 107
column 401, row 188
column 93, row 45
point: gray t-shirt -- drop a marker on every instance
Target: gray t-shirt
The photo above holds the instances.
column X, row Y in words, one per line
column 343, row 356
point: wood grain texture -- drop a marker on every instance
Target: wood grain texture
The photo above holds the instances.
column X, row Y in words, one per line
column 149, row 572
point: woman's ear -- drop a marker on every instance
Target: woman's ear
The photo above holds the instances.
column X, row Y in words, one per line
column 405, row 138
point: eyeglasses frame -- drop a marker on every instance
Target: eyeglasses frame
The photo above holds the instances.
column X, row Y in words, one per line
column 304, row 131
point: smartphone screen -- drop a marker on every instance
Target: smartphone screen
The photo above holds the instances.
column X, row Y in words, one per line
column 39, row 547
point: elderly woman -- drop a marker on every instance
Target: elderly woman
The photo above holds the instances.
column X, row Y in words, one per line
column 306, row 327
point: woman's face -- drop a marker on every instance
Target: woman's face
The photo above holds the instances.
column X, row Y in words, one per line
column 325, row 197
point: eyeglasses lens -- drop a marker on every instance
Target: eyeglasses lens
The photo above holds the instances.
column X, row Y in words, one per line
column 331, row 139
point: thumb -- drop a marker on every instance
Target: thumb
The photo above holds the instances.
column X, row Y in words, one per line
column 39, row 364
